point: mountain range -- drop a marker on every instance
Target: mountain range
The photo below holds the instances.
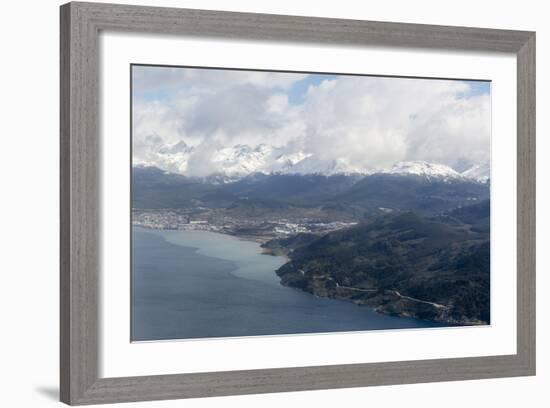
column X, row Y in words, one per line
column 354, row 194
column 229, row 164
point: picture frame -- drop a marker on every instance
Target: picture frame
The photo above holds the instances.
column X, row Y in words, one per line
column 80, row 159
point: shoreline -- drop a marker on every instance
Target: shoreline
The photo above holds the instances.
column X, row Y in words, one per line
column 246, row 238
column 388, row 308
column 250, row 238
column 378, row 308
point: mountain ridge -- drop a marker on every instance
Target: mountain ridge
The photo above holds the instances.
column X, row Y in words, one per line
column 232, row 163
column 351, row 194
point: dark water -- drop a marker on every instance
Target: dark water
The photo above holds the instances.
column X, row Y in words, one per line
column 196, row 284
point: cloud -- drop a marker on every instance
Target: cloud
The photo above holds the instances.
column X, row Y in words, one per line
column 366, row 122
column 376, row 122
column 154, row 80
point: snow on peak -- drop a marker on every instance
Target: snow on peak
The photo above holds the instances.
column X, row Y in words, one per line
column 235, row 162
column 242, row 159
column 310, row 165
column 284, row 163
column 480, row 172
column 179, row 147
column 423, row 168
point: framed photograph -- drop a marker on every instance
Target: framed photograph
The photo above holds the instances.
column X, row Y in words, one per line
column 259, row 203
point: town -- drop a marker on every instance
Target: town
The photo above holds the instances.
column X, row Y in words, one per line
column 260, row 229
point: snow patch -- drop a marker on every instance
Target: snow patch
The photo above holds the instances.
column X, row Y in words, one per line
column 423, row 168
column 480, row 173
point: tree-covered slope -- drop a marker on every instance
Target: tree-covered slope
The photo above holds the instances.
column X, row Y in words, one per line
column 359, row 196
column 402, row 264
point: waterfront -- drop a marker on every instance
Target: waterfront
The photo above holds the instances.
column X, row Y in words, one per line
column 198, row 284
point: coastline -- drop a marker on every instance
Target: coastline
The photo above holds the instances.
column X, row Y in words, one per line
column 189, row 293
column 342, row 294
column 250, row 238
column 245, row 256
column 387, row 302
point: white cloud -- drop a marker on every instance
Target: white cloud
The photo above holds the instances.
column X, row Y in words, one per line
column 197, row 80
column 376, row 122
column 366, row 122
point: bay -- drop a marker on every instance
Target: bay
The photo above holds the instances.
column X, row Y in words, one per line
column 200, row 284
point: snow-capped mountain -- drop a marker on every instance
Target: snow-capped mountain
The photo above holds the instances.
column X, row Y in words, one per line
column 480, row 173
column 241, row 160
column 232, row 163
column 285, row 163
column 311, row 165
column 423, row 168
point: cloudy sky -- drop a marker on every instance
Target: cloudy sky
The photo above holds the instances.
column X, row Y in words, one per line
column 365, row 122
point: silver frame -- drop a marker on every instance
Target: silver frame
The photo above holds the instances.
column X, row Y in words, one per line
column 80, row 158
